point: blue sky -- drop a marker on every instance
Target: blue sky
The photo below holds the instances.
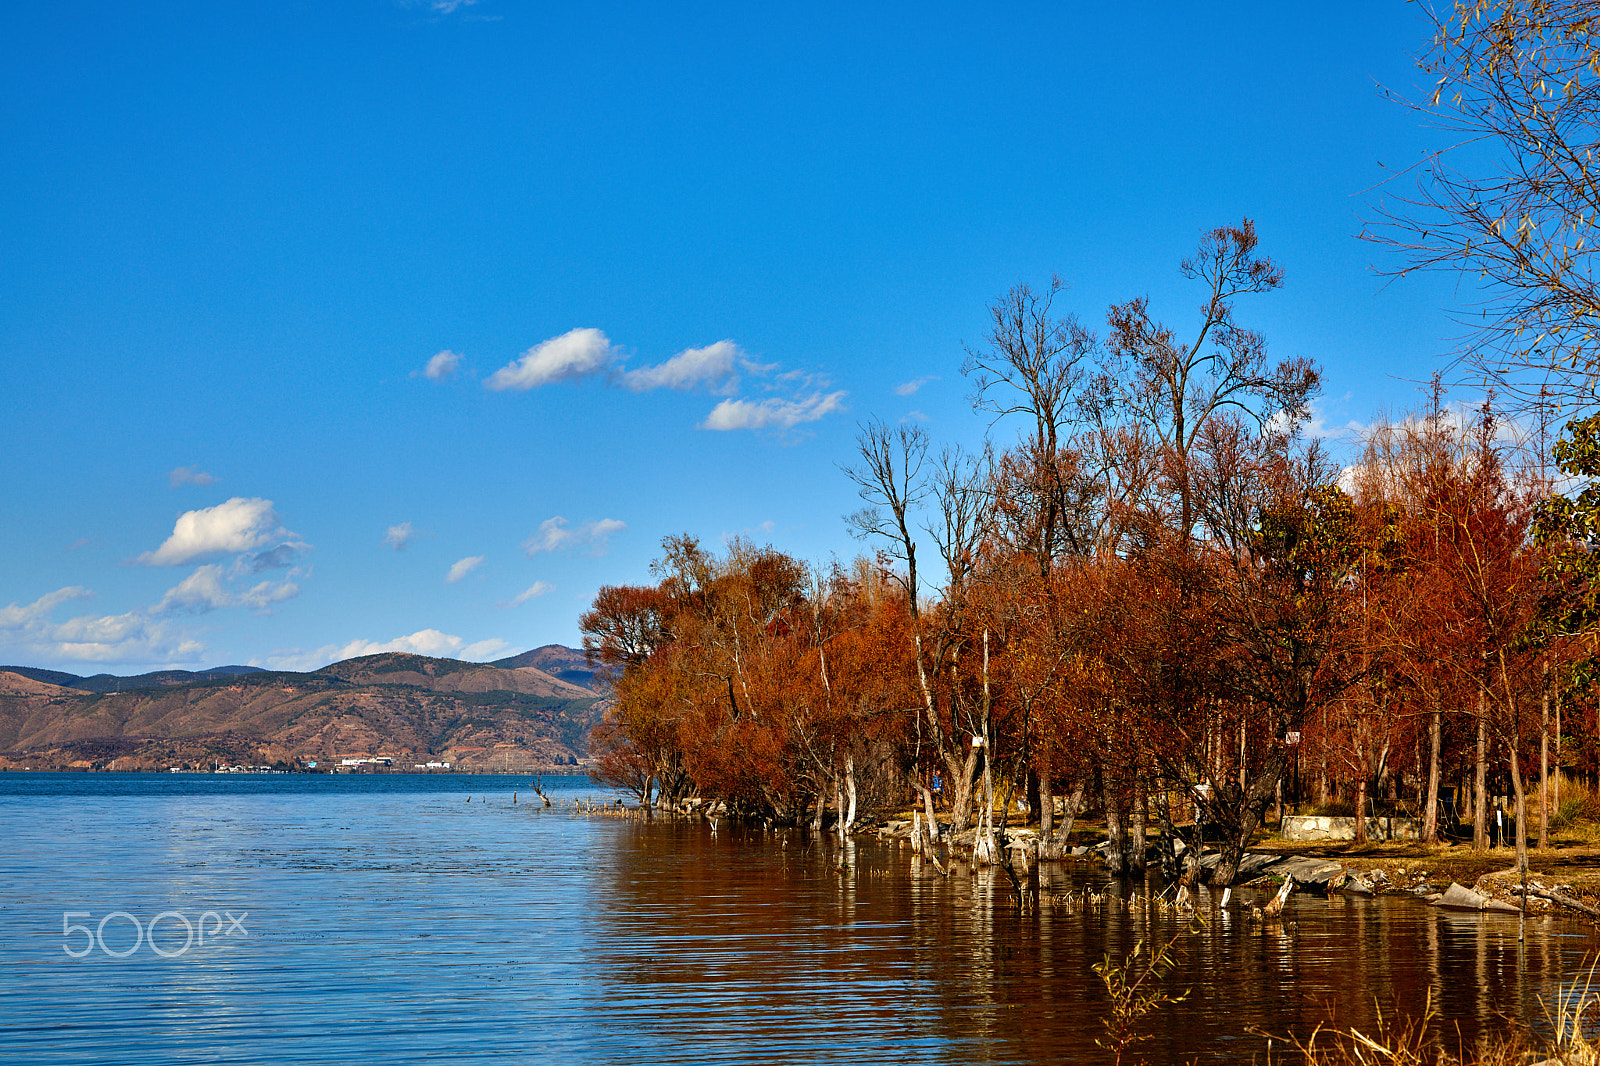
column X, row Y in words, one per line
column 331, row 327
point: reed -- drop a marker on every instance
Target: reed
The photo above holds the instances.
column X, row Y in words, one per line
column 1398, row 1039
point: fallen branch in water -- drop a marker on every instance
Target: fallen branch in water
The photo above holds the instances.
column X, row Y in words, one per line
column 1557, row 897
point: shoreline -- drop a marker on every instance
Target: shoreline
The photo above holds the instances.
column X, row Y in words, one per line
column 1487, row 880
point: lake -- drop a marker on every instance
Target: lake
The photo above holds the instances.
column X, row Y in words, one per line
column 320, row 918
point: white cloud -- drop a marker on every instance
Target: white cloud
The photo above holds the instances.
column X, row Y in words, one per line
column 763, row 529
column 553, row 535
column 289, row 659
column 483, row 649
column 13, row 616
column 532, row 592
column 399, row 536
column 602, row 530
column 280, row 558
column 109, row 640
column 190, row 475
column 910, row 387
column 423, row 642
column 26, row 631
column 575, row 354
column 1320, row 423
column 206, row 590
column 717, row 367
column 263, row 596
column 713, row 366
column 772, row 413
column 143, row 637
column 239, row 525
column 462, row 567
column 200, row 591
column 438, row 7
column 107, row 629
column 442, row 365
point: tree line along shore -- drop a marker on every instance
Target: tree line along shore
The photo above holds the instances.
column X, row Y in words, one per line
column 1164, row 604
column 1163, row 595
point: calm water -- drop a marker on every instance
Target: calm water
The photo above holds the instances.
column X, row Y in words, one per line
column 386, row 917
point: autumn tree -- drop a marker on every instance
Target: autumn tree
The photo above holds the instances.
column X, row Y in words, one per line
column 623, row 627
column 1031, row 368
column 895, row 477
column 1177, row 385
column 1468, row 624
column 1280, row 605
column 1511, row 200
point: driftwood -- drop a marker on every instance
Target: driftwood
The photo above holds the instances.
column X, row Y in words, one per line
column 1557, row 897
column 1274, row 906
column 1185, row 896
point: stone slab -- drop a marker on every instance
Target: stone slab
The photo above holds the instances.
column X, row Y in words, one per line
column 1334, row 827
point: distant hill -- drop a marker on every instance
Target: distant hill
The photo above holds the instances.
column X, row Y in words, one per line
column 452, row 675
column 568, row 664
column 49, row 677
column 410, row 708
column 113, row 683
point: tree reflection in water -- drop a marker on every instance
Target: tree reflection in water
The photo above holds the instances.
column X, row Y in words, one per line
column 774, row 946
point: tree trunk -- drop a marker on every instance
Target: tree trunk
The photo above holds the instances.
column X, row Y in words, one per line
column 1480, row 783
column 1253, row 799
column 1322, row 764
column 1243, row 757
column 927, row 832
column 1544, row 762
column 927, row 807
column 1115, row 837
column 849, row 792
column 1031, row 795
column 1558, row 748
column 965, row 774
column 1361, row 807
column 1167, row 850
column 1430, row 810
column 1047, row 813
column 1047, row 800
column 1069, row 814
column 983, row 850
column 1136, row 845
column 1521, row 808
column 838, row 808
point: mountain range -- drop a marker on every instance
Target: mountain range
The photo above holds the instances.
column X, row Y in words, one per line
column 529, row 712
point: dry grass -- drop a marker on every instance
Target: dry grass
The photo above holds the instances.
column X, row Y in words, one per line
column 1402, row 1040
column 1579, row 808
column 1395, row 1040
